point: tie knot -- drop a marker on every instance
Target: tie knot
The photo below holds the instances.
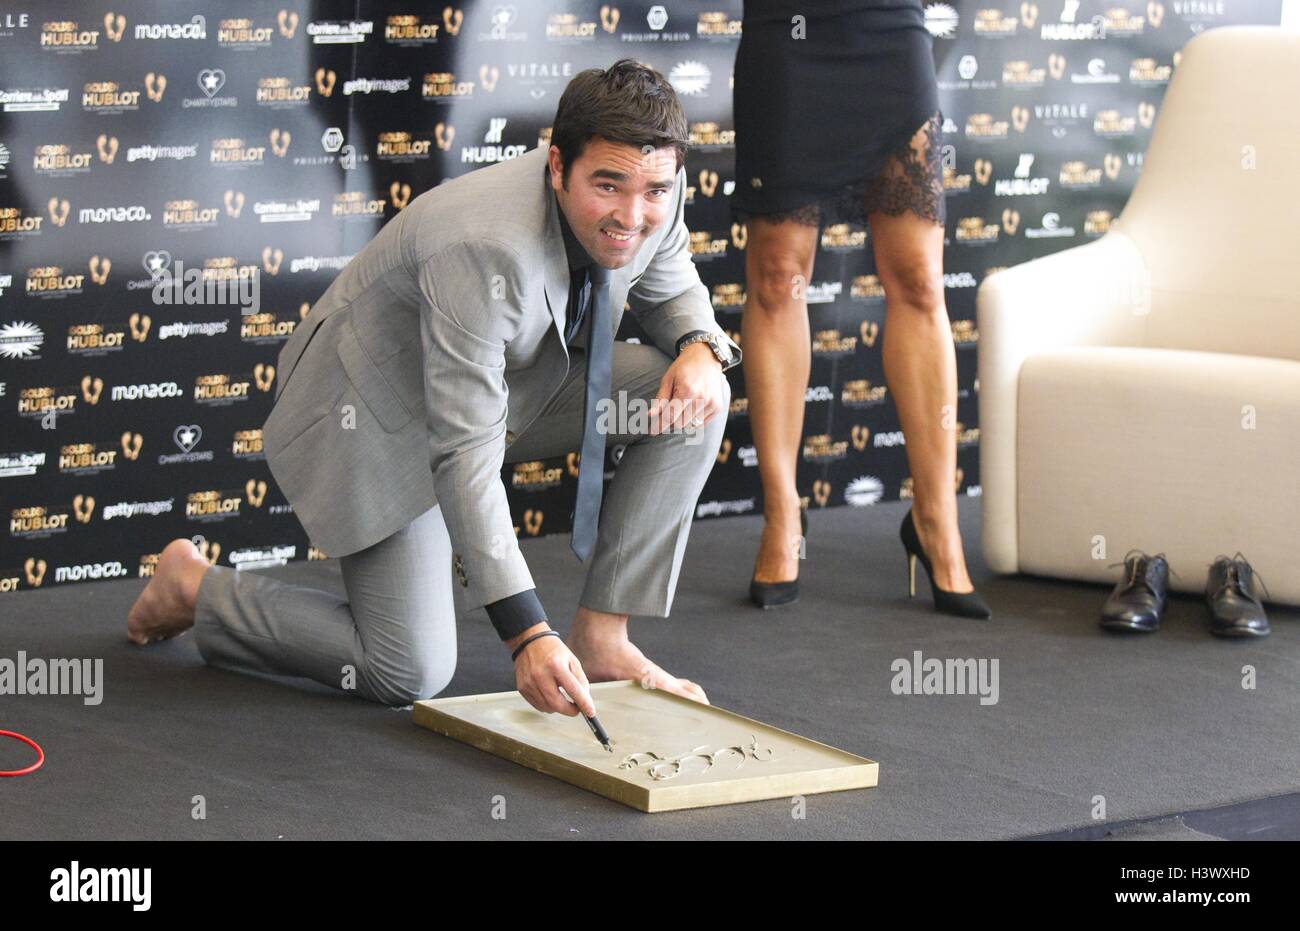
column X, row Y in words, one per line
column 598, row 274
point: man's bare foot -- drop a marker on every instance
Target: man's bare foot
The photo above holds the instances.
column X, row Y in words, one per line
column 608, row 656
column 166, row 606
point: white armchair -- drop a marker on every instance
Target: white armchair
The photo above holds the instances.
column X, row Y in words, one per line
column 1143, row 390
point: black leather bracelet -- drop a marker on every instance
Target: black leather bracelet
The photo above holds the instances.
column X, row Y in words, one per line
column 519, row 649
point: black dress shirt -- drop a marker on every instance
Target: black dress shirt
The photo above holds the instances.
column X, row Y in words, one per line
column 516, row 613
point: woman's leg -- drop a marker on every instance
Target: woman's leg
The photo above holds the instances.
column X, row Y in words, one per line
column 778, row 354
column 906, row 219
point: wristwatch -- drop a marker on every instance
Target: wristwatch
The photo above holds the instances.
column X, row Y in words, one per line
column 720, row 351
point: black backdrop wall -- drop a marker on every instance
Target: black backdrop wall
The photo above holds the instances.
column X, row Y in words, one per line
column 260, row 145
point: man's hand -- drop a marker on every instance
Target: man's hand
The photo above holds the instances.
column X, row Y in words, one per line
column 690, row 393
column 544, row 667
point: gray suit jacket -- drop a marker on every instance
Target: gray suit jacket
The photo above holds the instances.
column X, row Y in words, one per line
column 437, row 344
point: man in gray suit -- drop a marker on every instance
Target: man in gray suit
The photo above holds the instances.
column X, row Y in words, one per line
column 476, row 328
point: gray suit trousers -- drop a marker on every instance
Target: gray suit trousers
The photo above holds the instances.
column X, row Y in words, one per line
column 393, row 639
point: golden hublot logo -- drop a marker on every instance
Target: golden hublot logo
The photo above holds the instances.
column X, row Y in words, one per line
column 860, row 392
column 212, row 504
column 219, row 387
column 93, row 337
column 1111, row 123
column 242, row 32
column 1097, row 223
column 1021, row 74
column 728, row 296
column 821, row 448
column 236, row 151
column 40, row 399
column 356, row 204
column 831, row 342
column 85, row 456
column 994, row 24
column 973, row 230
column 442, row 85
column 35, row 519
column 1120, row 22
column 703, row 243
column 68, row 35
column 535, row 476
column 107, row 95
column 717, row 25
column 47, row 279
column 402, row 145
column 964, row 332
column 983, row 126
column 866, row 288
column 708, row 133
column 839, row 237
column 59, row 157
column 188, row 213
column 408, row 28
column 568, row 26
column 264, row 326
column 1077, row 174
column 280, row 90
column 1146, row 71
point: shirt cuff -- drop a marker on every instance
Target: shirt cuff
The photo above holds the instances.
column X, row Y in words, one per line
column 516, row 613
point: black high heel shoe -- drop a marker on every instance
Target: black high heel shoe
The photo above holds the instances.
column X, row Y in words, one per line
column 962, row 604
column 772, row 594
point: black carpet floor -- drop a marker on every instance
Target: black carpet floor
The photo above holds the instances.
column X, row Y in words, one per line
column 1157, row 732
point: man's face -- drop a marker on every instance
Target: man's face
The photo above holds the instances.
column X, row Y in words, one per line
column 615, row 189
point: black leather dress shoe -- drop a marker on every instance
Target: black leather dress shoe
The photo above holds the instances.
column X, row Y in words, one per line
column 1138, row 600
column 1235, row 609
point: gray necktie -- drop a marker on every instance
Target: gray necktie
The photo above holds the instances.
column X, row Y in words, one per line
column 591, row 471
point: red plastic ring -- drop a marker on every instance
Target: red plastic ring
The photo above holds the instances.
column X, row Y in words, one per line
column 40, row 755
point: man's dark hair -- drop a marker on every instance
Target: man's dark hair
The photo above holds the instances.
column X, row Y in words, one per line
column 628, row 103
